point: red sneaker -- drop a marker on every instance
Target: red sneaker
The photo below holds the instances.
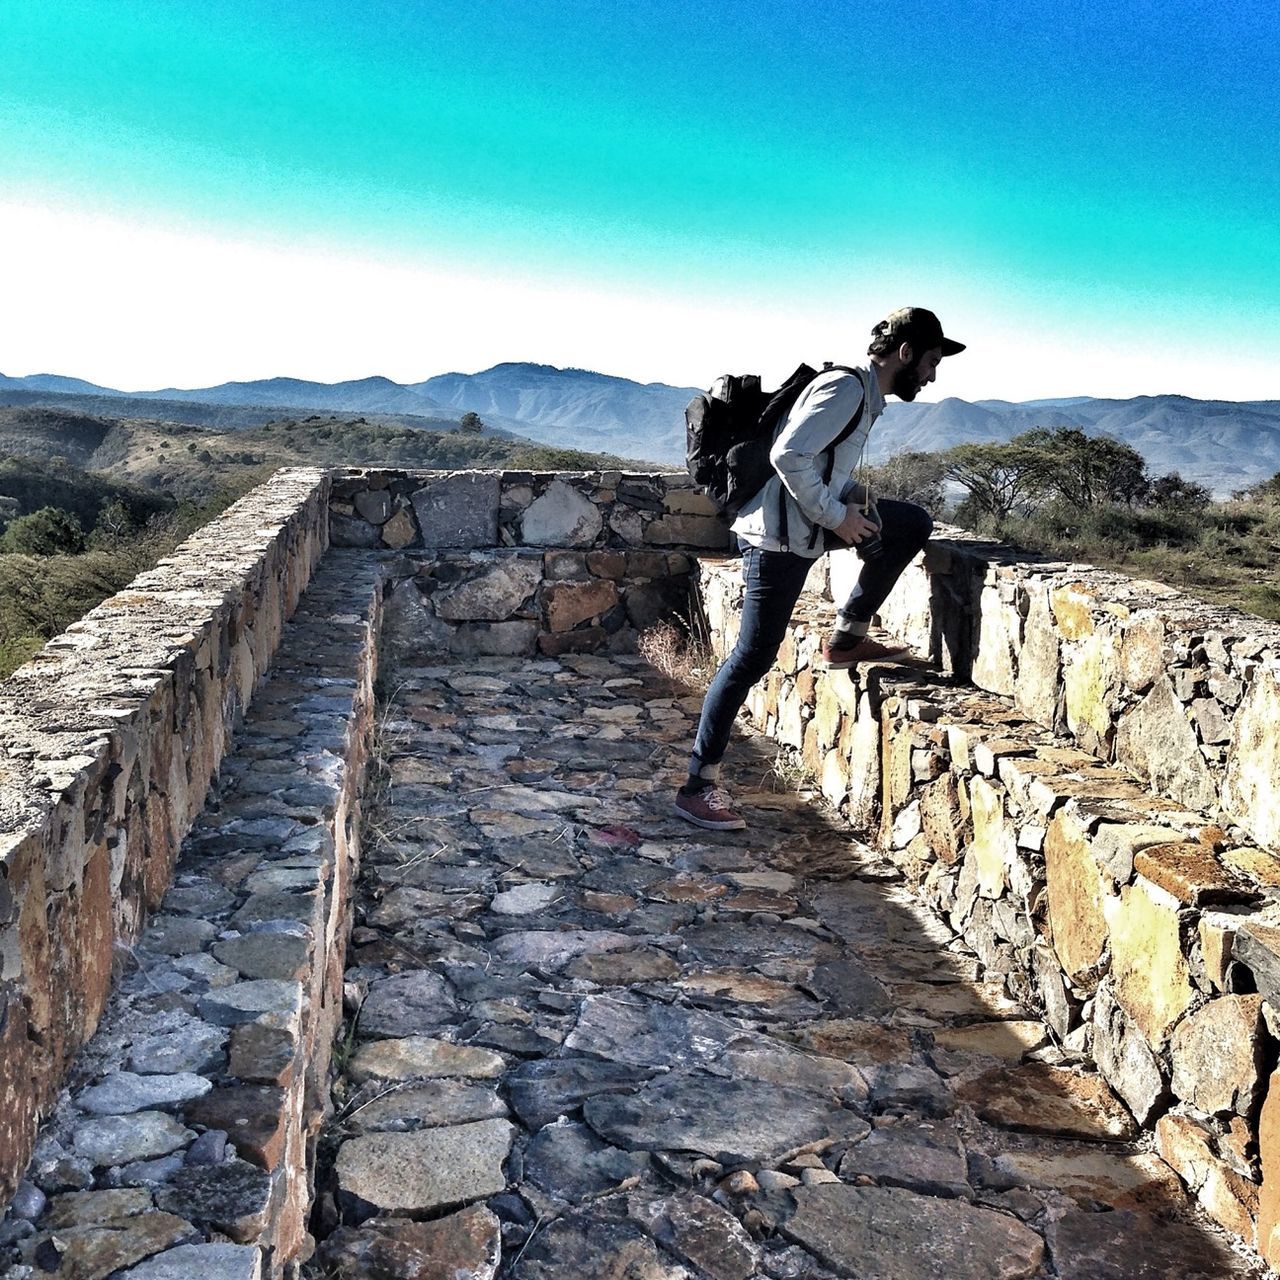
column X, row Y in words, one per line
column 709, row 808
column 842, row 657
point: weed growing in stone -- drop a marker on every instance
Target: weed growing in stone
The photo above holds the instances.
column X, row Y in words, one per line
column 674, row 649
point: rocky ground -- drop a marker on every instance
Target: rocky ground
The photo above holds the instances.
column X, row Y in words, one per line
column 589, row 1040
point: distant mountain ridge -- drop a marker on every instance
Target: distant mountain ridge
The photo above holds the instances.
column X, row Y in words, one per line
column 1223, row 444
column 575, row 407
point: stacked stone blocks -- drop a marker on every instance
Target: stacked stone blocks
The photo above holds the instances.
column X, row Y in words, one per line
column 227, row 1004
column 109, row 739
column 1099, row 826
column 523, row 563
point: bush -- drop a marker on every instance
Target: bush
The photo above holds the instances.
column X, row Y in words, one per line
column 47, row 532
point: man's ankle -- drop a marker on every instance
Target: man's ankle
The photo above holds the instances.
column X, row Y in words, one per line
column 845, row 636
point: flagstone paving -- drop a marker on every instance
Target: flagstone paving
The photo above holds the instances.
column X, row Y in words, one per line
column 590, row 1041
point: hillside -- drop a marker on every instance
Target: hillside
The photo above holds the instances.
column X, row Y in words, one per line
column 1221, row 444
column 1224, row 445
column 364, row 395
column 183, row 461
column 571, row 406
column 137, row 486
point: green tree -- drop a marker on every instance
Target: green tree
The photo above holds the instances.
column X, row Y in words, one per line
column 1264, row 491
column 470, row 422
column 1086, row 471
column 47, row 532
column 115, row 521
column 1174, row 492
column 999, row 478
column 910, row 476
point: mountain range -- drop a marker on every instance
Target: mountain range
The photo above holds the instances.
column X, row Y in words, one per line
column 1222, row 444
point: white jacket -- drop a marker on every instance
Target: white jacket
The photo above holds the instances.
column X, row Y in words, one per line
column 825, row 407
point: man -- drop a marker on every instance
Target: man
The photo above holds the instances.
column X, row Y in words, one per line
column 785, row 528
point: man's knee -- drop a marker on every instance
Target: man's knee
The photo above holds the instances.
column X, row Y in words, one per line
column 919, row 525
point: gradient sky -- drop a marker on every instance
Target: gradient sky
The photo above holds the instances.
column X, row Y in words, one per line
column 1088, row 194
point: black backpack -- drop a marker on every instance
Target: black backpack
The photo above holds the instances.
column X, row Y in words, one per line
column 730, row 430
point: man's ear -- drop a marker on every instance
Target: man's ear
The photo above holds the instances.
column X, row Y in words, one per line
column 906, row 355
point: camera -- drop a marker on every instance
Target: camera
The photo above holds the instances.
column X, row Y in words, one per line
column 871, row 547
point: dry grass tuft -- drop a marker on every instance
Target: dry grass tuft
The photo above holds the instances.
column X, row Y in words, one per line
column 672, row 649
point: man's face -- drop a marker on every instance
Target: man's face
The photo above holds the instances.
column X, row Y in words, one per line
column 911, row 378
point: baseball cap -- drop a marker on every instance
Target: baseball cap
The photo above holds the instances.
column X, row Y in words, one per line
column 918, row 326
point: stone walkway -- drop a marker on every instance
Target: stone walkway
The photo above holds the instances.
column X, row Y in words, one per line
column 593, row 1043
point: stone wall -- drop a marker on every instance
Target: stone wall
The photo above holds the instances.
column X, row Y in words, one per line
column 1138, row 907
column 196, row 1108
column 525, row 563
column 460, row 510
column 109, row 738
column 1183, row 695
column 1092, row 801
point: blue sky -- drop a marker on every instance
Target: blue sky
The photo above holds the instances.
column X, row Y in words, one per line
column 1087, row 194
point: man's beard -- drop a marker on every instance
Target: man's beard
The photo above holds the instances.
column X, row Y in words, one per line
column 906, row 383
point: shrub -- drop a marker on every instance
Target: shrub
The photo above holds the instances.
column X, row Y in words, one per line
column 47, row 532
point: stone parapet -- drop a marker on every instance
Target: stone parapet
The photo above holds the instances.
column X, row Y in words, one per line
column 203, row 1092
column 509, row 563
column 459, row 510
column 1146, row 931
column 109, row 738
column 529, row 601
column 1182, row 694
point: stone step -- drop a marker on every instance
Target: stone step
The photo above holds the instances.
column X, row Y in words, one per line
column 181, row 1146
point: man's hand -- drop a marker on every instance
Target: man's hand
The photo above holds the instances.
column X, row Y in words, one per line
column 855, row 526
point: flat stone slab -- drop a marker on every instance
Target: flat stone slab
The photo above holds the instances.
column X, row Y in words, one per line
column 142, row 1135
column 90, row 1208
column 246, row 1001
column 89, row 1252
column 883, row 1233
column 208, row 1261
column 466, row 1245
column 545, row 1089
column 770, row 997
column 1052, row 1100
column 623, row 968
column 424, row 1106
column 931, row 1161
column 731, row 1121
column 1102, row 1177
column 232, row 1197
column 848, row 989
column 424, row 1171
column 699, row 1232
column 124, row 1092
column 196, row 1047
column 524, row 899
column 554, row 948
column 570, row 1163
column 413, row 1003
column 1138, row 1246
column 1011, row 1040
column 414, row 1057
column 645, row 1034
column 581, row 1245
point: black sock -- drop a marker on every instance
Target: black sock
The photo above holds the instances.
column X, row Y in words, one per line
column 695, row 784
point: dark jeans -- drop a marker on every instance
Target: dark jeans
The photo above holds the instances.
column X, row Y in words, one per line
column 774, row 580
